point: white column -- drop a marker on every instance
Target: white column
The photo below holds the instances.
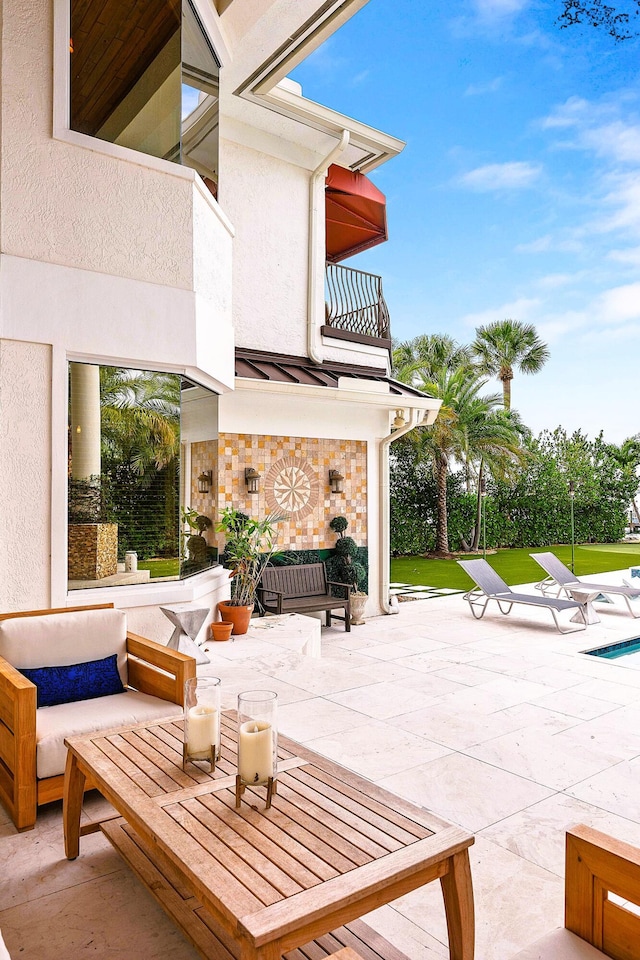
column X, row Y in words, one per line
column 85, row 420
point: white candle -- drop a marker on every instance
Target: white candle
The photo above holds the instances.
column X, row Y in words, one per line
column 203, row 730
column 255, row 751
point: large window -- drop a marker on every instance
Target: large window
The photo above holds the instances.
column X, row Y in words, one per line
column 142, row 476
column 144, row 75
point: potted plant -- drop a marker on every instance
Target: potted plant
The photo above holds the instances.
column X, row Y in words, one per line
column 249, row 546
column 347, row 568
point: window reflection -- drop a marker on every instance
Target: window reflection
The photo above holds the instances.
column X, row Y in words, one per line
column 145, row 76
column 138, row 442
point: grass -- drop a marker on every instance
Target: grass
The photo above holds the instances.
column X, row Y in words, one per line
column 160, row 568
column 516, row 566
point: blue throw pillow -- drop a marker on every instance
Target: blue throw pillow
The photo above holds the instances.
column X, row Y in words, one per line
column 77, row 681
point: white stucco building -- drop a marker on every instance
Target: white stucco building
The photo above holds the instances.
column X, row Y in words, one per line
column 162, row 208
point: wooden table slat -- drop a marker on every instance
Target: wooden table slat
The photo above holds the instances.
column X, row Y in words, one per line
column 338, row 894
column 337, row 853
column 269, row 860
column 277, row 829
column 362, row 835
column 114, row 752
column 399, row 826
column 273, row 844
column 223, row 854
column 403, row 808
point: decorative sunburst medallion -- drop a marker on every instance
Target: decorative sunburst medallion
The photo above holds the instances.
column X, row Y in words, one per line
column 291, row 486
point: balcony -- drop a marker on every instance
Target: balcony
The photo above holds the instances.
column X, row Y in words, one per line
column 355, row 307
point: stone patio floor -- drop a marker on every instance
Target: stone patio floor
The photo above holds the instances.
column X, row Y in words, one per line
column 501, row 725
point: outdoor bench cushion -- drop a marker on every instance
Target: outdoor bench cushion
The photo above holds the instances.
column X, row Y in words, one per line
column 561, row 944
column 53, row 724
column 74, row 637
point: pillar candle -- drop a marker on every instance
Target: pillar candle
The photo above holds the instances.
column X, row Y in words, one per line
column 255, row 751
column 202, row 730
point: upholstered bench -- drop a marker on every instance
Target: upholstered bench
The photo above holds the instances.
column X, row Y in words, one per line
column 597, row 925
column 69, row 672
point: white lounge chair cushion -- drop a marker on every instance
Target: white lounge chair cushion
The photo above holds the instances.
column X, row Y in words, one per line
column 60, row 639
column 4, row 953
column 53, row 724
column 561, row 944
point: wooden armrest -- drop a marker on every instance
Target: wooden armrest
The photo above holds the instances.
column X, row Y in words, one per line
column 596, row 864
column 18, row 699
column 11, row 680
column 276, row 593
column 157, row 670
column 346, row 586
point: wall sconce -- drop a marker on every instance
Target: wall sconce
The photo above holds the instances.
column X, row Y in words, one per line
column 399, row 419
column 252, row 479
column 335, row 481
column 205, row 481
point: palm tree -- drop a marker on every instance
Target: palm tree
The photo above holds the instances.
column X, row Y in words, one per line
column 507, row 344
column 447, row 440
column 140, row 417
column 426, row 357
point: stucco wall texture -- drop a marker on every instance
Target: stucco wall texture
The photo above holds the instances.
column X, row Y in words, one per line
column 267, row 201
column 69, row 205
column 25, row 475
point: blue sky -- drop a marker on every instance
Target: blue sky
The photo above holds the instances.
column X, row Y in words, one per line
column 518, row 193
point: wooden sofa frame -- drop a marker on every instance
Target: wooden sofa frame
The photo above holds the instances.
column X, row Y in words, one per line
column 596, row 864
column 303, row 588
column 152, row 669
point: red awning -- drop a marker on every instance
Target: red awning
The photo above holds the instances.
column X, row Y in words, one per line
column 356, row 213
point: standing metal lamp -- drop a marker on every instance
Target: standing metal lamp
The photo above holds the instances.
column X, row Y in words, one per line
column 483, row 508
column 572, row 495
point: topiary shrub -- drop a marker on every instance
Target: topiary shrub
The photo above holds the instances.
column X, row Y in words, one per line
column 345, row 566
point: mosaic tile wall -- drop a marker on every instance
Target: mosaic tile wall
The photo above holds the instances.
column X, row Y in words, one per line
column 295, row 478
column 204, row 456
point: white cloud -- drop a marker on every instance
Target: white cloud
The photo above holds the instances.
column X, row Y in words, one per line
column 522, row 309
column 549, row 242
column 498, row 9
column 553, row 281
column 516, row 175
column 479, row 89
column 624, row 198
column 631, row 256
column 620, row 304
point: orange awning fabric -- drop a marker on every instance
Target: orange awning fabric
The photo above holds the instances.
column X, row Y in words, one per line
column 356, row 213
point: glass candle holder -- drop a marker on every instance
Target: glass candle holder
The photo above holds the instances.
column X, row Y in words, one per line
column 201, row 720
column 257, row 740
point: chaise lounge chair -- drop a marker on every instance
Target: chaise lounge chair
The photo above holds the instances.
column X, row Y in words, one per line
column 562, row 580
column 490, row 586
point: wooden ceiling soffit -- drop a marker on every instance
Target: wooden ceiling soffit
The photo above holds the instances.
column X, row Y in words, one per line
column 114, row 42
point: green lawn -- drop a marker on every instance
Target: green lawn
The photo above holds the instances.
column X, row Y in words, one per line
column 161, row 568
column 516, row 566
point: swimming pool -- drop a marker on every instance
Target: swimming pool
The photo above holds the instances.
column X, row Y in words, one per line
column 629, row 649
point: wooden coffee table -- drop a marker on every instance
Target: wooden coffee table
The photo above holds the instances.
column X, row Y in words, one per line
column 332, row 847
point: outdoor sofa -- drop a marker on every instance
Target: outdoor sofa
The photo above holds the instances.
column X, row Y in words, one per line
column 93, row 674
column 602, row 902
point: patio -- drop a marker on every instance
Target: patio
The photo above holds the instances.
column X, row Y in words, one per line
column 501, row 725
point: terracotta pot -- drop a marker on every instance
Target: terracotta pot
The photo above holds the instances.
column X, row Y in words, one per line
column 221, row 630
column 238, row 616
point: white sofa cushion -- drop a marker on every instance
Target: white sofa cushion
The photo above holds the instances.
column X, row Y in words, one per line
column 53, row 724
column 560, row 945
column 60, row 639
column 4, row 953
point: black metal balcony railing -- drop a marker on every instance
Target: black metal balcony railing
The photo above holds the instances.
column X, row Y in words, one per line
column 355, row 304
